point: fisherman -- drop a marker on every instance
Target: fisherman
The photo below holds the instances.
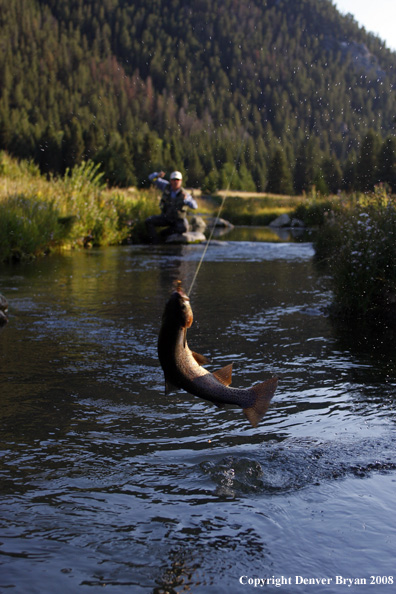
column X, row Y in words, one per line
column 174, row 203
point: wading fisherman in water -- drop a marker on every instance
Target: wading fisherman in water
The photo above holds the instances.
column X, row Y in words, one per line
column 174, row 203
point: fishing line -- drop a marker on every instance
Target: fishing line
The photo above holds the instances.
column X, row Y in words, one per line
column 224, row 198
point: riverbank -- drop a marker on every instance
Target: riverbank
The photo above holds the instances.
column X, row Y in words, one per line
column 356, row 240
column 357, row 247
column 40, row 215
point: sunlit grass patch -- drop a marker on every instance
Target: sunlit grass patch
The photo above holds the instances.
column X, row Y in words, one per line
column 242, row 210
column 261, row 209
column 28, row 227
column 38, row 215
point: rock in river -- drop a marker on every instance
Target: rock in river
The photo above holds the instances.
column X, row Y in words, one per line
column 188, row 237
column 3, row 310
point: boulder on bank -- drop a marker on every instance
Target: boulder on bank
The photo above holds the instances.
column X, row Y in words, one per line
column 222, row 223
column 3, row 310
column 284, row 220
column 188, row 237
column 197, row 224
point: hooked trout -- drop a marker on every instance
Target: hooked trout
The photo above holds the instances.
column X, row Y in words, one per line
column 183, row 368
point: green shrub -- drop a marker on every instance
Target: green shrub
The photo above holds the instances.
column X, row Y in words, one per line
column 359, row 246
column 38, row 215
column 132, row 213
column 13, row 169
column 314, row 214
column 28, row 227
column 102, row 217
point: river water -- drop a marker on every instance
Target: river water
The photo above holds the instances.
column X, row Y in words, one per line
column 109, row 485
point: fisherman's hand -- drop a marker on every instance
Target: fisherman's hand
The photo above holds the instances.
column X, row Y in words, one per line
column 161, row 174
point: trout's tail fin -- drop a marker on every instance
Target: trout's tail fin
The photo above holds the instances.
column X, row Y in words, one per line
column 263, row 393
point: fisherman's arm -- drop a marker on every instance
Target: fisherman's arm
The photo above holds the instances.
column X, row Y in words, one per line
column 189, row 201
column 157, row 179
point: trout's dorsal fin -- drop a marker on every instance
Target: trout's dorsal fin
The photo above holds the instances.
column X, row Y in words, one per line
column 224, row 375
column 201, row 359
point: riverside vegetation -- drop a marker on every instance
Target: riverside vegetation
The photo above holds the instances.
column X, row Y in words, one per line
column 356, row 242
column 39, row 215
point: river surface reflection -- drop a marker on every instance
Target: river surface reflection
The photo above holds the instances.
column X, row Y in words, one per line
column 105, row 482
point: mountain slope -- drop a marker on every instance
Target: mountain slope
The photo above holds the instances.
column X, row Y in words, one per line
column 138, row 85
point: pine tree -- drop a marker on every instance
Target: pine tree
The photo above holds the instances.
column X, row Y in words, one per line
column 194, row 170
column 279, row 175
column 306, row 170
column 332, row 174
column 387, row 163
column 246, row 182
column 367, row 163
column 72, row 144
column 50, row 151
column 116, row 164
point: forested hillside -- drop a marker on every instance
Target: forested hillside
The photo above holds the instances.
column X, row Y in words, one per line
column 293, row 92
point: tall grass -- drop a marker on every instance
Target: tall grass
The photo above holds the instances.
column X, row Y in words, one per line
column 80, row 201
column 358, row 244
column 38, row 215
column 28, row 212
column 28, row 227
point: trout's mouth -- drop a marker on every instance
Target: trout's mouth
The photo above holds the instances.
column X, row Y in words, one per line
column 186, row 311
column 185, row 306
column 188, row 316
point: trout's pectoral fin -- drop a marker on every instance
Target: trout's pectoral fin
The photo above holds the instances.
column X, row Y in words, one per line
column 218, row 403
column 224, row 375
column 201, row 359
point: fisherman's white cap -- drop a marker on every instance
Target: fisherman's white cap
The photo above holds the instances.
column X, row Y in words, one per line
column 176, row 175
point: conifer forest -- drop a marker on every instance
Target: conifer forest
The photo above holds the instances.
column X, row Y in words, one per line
column 293, row 93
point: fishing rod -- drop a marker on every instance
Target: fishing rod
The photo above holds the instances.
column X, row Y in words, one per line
column 224, row 198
